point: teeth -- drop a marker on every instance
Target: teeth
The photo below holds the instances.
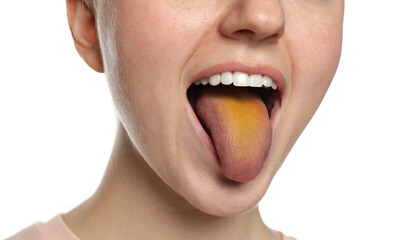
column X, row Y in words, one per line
column 274, row 86
column 267, row 81
column 215, row 80
column 256, row 80
column 239, row 79
column 204, row 81
column 227, row 78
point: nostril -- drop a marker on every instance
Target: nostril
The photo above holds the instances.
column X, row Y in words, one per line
column 249, row 34
column 274, row 37
column 244, row 31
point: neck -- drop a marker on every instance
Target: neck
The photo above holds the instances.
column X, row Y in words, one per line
column 132, row 202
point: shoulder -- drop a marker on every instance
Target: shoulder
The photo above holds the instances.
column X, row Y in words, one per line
column 55, row 229
column 288, row 238
column 283, row 237
column 32, row 233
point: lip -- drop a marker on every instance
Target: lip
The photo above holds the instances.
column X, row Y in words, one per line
column 276, row 75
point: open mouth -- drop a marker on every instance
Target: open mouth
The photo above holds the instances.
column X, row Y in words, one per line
column 236, row 109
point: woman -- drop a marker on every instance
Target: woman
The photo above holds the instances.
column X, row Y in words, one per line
column 210, row 97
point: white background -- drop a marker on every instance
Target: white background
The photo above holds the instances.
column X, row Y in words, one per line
column 57, row 127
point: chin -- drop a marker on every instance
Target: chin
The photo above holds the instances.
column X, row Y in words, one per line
column 218, row 196
column 225, row 203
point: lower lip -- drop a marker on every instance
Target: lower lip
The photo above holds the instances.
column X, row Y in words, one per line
column 207, row 142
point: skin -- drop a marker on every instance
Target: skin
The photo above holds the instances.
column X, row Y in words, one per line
column 160, row 182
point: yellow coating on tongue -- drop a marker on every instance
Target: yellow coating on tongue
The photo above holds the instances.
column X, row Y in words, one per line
column 243, row 114
column 239, row 124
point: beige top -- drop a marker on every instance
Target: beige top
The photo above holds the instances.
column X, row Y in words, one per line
column 55, row 229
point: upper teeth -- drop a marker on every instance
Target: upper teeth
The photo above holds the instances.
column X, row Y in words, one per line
column 239, row 79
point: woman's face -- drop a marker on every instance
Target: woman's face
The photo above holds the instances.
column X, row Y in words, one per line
column 154, row 50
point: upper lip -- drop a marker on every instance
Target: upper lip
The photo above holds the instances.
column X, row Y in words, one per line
column 268, row 70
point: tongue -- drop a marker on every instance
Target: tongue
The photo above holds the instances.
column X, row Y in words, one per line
column 240, row 127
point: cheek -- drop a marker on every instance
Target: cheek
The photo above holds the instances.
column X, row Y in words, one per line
column 151, row 47
column 156, row 36
column 315, row 49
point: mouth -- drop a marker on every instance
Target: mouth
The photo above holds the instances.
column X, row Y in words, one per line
column 263, row 85
column 237, row 128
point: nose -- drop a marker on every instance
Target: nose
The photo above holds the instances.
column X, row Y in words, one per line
column 254, row 20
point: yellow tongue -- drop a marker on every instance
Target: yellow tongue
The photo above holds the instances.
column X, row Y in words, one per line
column 240, row 128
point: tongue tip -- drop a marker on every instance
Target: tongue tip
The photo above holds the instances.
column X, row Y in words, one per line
column 240, row 176
column 244, row 171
